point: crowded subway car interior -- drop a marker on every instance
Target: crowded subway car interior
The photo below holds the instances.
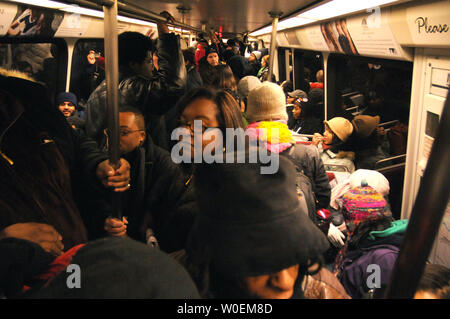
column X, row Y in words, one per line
column 251, row 149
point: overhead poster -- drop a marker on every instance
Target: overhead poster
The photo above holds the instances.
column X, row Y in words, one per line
column 365, row 34
column 34, row 21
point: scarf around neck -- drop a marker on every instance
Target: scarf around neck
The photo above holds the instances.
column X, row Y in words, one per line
column 275, row 135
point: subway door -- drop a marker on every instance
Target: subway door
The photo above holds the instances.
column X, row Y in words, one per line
column 437, row 80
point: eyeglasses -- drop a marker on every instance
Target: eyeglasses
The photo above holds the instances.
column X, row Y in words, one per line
column 191, row 126
column 121, row 133
column 125, row 133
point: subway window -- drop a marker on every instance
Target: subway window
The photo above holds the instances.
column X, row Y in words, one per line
column 43, row 61
column 374, row 94
column 369, row 86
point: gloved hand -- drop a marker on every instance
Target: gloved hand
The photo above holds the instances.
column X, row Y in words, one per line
column 335, row 236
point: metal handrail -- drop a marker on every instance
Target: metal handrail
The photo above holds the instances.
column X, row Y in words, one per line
column 387, row 159
column 112, row 94
column 426, row 216
column 387, row 123
column 381, row 169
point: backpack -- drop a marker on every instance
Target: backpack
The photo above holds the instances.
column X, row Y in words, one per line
column 305, row 191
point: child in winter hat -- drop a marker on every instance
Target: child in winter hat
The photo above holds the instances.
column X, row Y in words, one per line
column 363, row 203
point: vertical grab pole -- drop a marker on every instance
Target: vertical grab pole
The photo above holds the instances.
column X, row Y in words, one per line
column 112, row 96
column 273, row 41
column 426, row 216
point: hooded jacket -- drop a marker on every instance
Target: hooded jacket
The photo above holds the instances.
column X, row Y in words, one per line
column 154, row 97
column 47, row 168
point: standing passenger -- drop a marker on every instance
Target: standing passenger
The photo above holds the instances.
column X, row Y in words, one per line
column 330, row 145
column 51, row 175
column 154, row 93
column 251, row 238
column 217, row 110
column 206, row 66
column 158, row 203
column 194, row 80
column 266, row 110
column 67, row 103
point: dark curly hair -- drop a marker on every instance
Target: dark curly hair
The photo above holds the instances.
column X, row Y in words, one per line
column 133, row 47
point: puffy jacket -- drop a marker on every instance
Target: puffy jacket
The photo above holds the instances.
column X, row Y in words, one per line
column 307, row 158
column 154, row 97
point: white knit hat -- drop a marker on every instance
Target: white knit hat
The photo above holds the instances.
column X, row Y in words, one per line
column 246, row 84
column 266, row 102
column 373, row 178
column 257, row 54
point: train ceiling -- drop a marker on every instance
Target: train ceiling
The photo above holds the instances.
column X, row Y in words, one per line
column 229, row 16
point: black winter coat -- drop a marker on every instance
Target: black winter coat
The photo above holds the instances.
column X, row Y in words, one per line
column 154, row 97
column 161, row 198
column 194, row 80
column 47, row 169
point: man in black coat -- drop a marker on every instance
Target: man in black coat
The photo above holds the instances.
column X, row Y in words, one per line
column 154, row 92
column 160, row 202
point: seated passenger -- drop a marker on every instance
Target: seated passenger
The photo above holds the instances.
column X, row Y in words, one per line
column 159, row 203
column 254, row 63
column 374, row 179
column 319, row 83
column 303, row 121
column 50, row 173
column 316, row 98
column 266, row 110
column 373, row 239
column 398, row 134
column 365, row 142
column 330, row 145
column 251, row 238
column 109, row 268
column 291, row 96
column 294, row 95
column 263, row 72
column 287, row 87
column 67, row 103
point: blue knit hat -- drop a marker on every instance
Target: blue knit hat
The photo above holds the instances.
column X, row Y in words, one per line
column 67, row 97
